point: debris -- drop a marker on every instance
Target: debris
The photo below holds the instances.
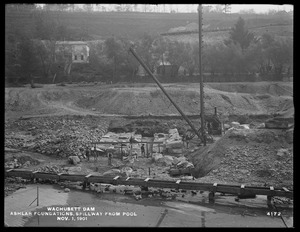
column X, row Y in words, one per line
column 74, row 160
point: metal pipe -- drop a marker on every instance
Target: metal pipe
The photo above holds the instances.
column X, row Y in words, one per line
column 164, row 91
column 201, row 78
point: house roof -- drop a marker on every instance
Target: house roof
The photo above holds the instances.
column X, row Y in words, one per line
column 71, row 42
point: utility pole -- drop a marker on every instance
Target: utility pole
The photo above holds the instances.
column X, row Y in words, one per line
column 200, row 74
column 227, row 8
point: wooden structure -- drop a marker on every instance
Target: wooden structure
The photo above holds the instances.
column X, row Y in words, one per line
column 240, row 191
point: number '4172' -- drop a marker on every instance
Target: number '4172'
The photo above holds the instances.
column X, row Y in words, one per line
column 274, row 214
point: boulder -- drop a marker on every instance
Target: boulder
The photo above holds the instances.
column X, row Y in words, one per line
column 114, row 172
column 166, row 160
column 73, row 160
column 174, row 135
column 243, row 126
column 261, row 126
column 176, row 160
column 226, row 126
column 26, row 164
column 73, row 169
column 156, row 156
column 184, row 164
column 281, row 153
column 174, row 151
column 234, row 124
column 169, row 158
column 67, row 190
column 127, row 170
column 174, row 144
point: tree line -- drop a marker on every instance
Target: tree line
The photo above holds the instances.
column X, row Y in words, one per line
column 30, row 55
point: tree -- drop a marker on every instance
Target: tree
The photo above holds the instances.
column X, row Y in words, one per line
column 218, row 9
column 88, row 7
column 45, row 51
column 147, row 50
column 177, row 53
column 240, row 35
column 112, row 50
column 281, row 55
column 190, row 61
column 27, row 58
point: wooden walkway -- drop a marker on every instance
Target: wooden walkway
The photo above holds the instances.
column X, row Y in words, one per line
column 241, row 191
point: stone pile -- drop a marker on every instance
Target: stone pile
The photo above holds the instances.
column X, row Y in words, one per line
column 174, row 142
column 62, row 136
column 259, row 165
column 51, row 169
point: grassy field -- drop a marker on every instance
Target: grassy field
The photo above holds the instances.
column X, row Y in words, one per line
column 134, row 24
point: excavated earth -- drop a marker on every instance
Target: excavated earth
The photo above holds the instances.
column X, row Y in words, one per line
column 53, row 122
column 147, row 99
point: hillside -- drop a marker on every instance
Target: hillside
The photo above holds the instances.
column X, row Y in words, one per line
column 238, row 98
column 133, row 25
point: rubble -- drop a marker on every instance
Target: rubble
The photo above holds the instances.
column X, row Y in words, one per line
column 74, row 160
column 184, row 164
column 20, row 162
column 58, row 135
column 51, row 169
column 252, row 157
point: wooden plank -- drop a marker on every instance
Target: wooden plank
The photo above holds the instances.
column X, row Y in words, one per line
column 72, row 177
column 46, row 176
column 23, row 174
column 285, row 189
column 125, row 142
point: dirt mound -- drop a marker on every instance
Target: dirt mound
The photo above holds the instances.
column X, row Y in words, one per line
column 147, row 99
column 286, row 109
column 252, row 157
column 129, row 101
column 260, row 88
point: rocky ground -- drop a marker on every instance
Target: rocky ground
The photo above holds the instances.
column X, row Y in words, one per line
column 257, row 157
column 59, row 135
column 249, row 156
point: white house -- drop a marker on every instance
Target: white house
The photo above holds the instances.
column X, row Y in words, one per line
column 76, row 51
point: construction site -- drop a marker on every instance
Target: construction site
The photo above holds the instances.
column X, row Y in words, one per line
column 150, row 154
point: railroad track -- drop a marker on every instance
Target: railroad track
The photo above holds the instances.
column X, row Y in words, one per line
column 241, row 191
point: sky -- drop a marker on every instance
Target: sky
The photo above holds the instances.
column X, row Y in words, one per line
column 258, row 8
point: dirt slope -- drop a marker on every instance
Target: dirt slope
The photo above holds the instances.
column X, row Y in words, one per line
column 229, row 98
column 252, row 157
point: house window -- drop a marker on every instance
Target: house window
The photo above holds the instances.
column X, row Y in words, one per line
column 75, row 57
column 82, row 57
